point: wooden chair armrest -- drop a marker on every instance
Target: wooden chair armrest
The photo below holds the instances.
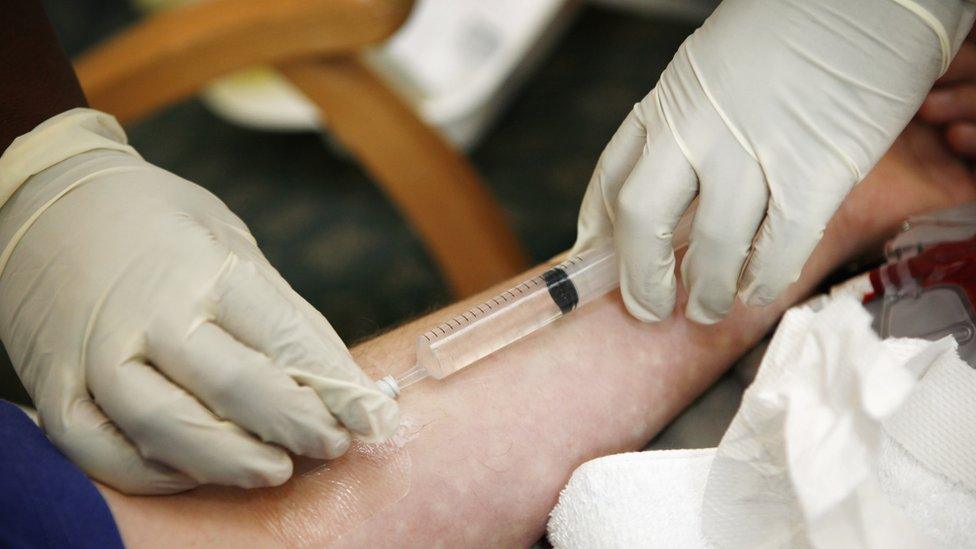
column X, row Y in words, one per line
column 175, row 53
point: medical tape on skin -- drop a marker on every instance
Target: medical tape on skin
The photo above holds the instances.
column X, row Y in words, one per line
column 330, row 500
column 19, row 234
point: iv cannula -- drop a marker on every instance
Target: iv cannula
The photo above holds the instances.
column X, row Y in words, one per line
column 515, row 313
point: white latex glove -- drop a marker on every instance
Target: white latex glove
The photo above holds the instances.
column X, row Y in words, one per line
column 160, row 347
column 769, row 113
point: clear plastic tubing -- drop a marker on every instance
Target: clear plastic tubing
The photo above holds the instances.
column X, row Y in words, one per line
column 517, row 312
column 508, row 317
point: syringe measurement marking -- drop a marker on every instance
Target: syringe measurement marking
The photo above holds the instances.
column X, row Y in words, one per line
column 499, row 300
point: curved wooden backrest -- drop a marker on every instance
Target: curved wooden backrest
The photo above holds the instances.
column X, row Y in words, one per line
column 435, row 188
column 315, row 44
column 173, row 54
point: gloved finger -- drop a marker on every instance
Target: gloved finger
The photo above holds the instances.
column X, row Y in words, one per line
column 731, row 205
column 962, row 138
column 90, row 440
column 169, row 426
column 316, row 321
column 617, row 160
column 389, row 419
column 242, row 385
column 257, row 313
column 949, row 104
column 373, row 426
column 649, row 206
column 787, row 238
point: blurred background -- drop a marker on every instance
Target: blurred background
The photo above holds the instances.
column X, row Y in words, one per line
column 327, row 227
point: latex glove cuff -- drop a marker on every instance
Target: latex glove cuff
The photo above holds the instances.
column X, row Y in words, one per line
column 56, row 139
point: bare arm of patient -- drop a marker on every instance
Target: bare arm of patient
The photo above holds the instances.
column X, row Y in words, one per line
column 483, row 454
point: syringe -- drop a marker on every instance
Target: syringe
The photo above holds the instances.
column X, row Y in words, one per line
column 517, row 312
column 508, row 317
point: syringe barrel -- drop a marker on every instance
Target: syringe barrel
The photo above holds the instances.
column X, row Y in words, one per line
column 523, row 309
column 590, row 274
column 516, row 312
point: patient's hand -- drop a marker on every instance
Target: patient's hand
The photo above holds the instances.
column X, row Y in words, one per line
column 930, row 160
column 952, row 103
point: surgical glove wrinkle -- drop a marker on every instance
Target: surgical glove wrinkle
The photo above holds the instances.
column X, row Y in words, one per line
column 769, row 114
column 160, row 347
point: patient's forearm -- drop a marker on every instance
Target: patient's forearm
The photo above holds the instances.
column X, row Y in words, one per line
column 484, row 453
column 489, row 448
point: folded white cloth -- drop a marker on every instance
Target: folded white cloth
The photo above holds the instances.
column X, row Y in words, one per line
column 836, row 444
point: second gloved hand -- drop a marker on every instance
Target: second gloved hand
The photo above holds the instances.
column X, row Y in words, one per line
column 769, row 113
column 160, row 347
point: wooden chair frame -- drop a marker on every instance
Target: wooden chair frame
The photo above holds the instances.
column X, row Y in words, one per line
column 315, row 44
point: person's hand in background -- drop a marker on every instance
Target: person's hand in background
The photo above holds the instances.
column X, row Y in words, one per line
column 160, row 347
column 952, row 103
column 769, row 113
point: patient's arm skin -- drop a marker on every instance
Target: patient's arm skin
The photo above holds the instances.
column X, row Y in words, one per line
column 488, row 449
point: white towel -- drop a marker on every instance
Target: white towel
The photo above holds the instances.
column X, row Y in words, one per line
column 835, row 445
column 943, row 508
column 638, row 499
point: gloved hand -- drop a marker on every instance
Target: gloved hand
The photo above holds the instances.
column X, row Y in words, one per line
column 770, row 113
column 160, row 347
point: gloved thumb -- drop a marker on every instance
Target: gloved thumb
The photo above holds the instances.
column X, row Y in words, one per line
column 786, row 239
